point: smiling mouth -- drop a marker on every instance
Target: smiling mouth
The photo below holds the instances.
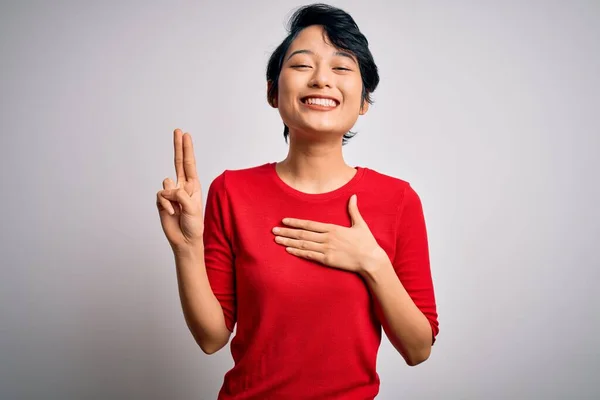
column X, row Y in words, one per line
column 319, row 103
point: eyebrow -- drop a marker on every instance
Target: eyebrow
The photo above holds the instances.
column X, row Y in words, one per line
column 337, row 53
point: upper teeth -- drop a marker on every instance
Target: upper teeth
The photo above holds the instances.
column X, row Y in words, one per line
column 321, row 102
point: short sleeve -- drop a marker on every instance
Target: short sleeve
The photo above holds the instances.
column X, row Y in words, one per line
column 218, row 248
column 411, row 259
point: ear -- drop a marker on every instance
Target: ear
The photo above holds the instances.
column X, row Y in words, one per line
column 364, row 108
column 271, row 100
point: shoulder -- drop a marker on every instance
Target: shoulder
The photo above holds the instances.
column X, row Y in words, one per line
column 388, row 186
column 249, row 172
column 380, row 177
column 399, row 194
column 231, row 178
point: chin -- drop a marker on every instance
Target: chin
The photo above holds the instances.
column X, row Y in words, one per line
column 320, row 132
column 317, row 128
column 323, row 127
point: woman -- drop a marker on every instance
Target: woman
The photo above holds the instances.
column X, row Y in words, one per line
column 309, row 257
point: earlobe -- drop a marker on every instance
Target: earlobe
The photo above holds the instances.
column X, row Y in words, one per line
column 272, row 100
column 364, row 108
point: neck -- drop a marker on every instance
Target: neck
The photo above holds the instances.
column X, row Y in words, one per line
column 315, row 167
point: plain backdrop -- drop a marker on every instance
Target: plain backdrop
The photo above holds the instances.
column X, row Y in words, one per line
column 489, row 108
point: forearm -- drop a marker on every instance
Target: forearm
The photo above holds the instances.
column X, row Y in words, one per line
column 202, row 311
column 405, row 325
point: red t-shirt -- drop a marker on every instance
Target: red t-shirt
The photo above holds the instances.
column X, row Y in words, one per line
column 305, row 330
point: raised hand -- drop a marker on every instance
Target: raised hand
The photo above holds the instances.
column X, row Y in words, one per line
column 180, row 204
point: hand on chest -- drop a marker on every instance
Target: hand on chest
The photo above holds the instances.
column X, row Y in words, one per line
column 265, row 268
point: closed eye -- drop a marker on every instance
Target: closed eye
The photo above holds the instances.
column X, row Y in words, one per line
column 300, row 66
column 343, row 69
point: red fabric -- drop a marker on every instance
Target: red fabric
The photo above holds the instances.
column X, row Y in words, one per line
column 304, row 330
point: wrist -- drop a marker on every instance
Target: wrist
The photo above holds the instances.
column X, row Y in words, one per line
column 189, row 251
column 374, row 263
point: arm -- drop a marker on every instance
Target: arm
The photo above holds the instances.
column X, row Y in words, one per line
column 405, row 325
column 206, row 277
column 199, row 242
column 403, row 287
column 201, row 309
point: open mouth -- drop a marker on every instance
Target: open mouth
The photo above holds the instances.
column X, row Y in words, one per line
column 319, row 102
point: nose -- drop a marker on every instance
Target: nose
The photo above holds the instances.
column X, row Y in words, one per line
column 321, row 78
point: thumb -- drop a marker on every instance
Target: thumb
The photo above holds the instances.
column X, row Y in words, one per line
column 353, row 210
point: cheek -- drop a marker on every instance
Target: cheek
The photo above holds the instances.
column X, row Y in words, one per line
column 353, row 101
column 288, row 93
column 352, row 91
column 286, row 100
column 288, row 84
column 285, row 94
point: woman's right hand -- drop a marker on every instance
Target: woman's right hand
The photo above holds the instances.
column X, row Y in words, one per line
column 180, row 204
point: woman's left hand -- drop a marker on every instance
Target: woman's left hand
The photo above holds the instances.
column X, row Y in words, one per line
column 350, row 249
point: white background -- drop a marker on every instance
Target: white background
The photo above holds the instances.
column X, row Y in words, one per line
column 489, row 108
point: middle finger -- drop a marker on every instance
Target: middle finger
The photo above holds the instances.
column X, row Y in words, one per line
column 189, row 160
column 300, row 234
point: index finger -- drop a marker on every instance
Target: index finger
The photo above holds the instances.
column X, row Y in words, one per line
column 308, row 225
column 178, row 148
column 189, row 160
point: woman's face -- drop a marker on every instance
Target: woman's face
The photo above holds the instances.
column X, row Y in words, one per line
column 320, row 87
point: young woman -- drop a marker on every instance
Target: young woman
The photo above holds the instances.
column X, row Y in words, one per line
column 308, row 257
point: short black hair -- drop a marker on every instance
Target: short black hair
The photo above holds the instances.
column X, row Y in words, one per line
column 343, row 33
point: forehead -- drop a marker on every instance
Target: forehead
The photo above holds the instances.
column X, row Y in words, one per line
column 312, row 38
